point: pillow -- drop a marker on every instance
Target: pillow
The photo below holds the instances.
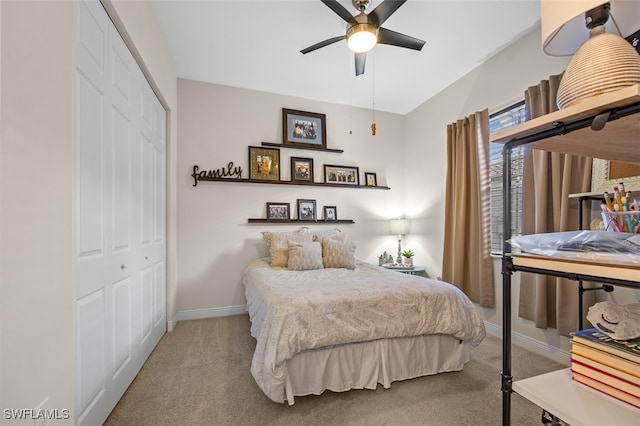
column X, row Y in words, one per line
column 338, row 254
column 304, row 256
column 337, row 237
column 266, row 235
column 279, row 248
column 330, row 233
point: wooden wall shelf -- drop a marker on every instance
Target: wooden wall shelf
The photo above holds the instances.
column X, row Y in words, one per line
column 296, row 221
column 284, row 182
column 279, row 145
column 624, row 128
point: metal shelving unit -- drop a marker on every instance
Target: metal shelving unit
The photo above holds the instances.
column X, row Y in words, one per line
column 568, row 131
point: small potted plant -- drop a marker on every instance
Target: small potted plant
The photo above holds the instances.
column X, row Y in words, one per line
column 408, row 255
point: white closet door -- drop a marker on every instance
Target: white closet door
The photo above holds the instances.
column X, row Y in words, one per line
column 119, row 208
column 150, row 139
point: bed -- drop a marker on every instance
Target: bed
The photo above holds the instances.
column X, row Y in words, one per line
column 337, row 323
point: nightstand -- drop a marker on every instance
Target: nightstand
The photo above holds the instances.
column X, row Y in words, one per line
column 416, row 270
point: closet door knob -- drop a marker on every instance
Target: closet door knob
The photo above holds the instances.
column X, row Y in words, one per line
column 123, row 266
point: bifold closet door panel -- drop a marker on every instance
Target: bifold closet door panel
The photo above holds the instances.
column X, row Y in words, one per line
column 152, row 202
column 120, row 308
column 93, row 272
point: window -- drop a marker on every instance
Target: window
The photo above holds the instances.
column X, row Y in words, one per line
column 506, row 117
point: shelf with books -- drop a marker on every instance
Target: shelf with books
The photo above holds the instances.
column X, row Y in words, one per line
column 607, row 390
column 607, row 365
column 592, row 337
column 574, row 402
column 606, row 383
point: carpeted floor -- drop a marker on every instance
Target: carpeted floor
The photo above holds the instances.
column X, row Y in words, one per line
column 199, row 375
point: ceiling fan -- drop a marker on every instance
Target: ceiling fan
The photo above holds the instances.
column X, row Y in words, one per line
column 364, row 31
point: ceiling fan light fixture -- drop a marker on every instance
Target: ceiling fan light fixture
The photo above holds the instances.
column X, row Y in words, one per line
column 361, row 37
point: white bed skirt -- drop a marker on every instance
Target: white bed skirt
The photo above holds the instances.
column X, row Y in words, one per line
column 363, row 365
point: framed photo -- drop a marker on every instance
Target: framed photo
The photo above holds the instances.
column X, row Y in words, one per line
column 606, row 174
column 301, row 169
column 278, row 211
column 264, row 163
column 330, row 213
column 307, row 210
column 304, row 129
column 370, row 179
column 341, row 175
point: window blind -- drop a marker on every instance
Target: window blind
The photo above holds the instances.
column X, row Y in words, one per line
column 502, row 119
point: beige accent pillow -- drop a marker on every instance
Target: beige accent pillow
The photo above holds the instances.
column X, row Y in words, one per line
column 279, row 248
column 337, row 237
column 330, row 233
column 338, row 254
column 266, row 235
column 304, row 256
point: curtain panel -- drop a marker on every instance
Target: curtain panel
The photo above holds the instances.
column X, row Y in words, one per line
column 467, row 260
column 549, row 178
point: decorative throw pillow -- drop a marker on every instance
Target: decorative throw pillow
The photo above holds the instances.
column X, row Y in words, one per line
column 304, row 256
column 330, row 233
column 279, row 248
column 337, row 237
column 338, row 254
column 266, row 235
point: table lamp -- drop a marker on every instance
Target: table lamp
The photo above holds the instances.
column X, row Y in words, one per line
column 399, row 227
column 592, row 29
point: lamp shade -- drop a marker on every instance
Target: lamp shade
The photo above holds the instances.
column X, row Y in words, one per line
column 563, row 23
column 604, row 61
column 361, row 37
column 398, row 227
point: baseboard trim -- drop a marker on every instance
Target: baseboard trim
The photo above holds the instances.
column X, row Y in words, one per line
column 171, row 324
column 559, row 355
column 226, row 311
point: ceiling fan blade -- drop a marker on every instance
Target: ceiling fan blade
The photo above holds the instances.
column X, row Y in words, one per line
column 360, row 59
column 384, row 10
column 340, row 11
column 397, row 39
column 322, row 44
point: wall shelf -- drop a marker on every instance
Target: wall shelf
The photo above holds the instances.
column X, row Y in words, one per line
column 196, row 179
column 279, row 145
column 296, row 221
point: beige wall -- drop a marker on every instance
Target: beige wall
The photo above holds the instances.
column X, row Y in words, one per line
column 36, row 273
column 36, row 282
column 216, row 126
column 1, row 220
column 499, row 81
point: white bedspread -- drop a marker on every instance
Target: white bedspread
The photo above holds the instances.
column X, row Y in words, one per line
column 292, row 311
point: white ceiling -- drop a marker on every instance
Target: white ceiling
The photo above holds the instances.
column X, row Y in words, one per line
column 255, row 44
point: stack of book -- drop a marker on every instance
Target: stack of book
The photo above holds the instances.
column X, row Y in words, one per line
column 607, row 365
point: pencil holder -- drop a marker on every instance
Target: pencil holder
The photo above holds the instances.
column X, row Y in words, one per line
column 628, row 221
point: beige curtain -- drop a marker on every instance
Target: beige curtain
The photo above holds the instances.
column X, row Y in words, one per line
column 467, row 235
column 548, row 180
